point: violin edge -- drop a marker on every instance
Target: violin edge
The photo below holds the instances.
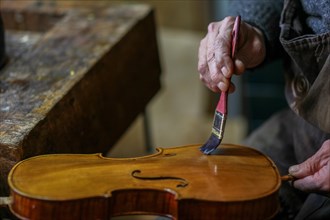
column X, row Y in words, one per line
column 174, row 197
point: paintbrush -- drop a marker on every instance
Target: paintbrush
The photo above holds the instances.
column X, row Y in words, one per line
column 220, row 115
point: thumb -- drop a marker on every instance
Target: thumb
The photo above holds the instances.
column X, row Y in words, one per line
column 312, row 164
column 303, row 176
column 298, row 171
column 301, row 170
column 315, row 182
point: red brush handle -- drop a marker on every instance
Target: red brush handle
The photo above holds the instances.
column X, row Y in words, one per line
column 222, row 104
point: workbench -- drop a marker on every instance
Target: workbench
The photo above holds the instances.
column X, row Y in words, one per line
column 76, row 77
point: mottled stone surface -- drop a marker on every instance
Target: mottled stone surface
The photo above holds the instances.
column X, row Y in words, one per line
column 76, row 78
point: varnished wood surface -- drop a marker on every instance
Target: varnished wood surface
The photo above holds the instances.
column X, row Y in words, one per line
column 76, row 77
column 235, row 183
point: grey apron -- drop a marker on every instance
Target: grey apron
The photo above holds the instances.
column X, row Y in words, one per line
column 293, row 135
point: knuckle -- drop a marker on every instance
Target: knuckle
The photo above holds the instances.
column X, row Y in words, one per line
column 211, row 27
column 201, row 77
column 210, row 55
column 228, row 19
column 214, row 77
column 201, row 68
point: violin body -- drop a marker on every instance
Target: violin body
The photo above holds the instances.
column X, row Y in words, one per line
column 182, row 183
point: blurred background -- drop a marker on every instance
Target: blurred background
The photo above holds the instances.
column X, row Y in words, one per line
column 182, row 112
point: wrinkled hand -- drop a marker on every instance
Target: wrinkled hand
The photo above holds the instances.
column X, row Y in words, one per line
column 313, row 175
column 215, row 64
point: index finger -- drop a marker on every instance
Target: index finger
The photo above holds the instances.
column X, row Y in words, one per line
column 223, row 44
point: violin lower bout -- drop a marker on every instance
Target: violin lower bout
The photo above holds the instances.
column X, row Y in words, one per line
column 143, row 202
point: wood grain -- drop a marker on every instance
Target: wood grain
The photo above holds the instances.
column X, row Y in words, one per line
column 235, row 183
column 77, row 77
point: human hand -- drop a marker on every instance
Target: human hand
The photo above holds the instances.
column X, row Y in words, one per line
column 313, row 175
column 215, row 65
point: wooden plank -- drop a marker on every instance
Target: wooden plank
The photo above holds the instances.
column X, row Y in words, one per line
column 75, row 85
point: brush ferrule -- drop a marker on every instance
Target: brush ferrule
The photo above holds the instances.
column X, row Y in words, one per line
column 219, row 124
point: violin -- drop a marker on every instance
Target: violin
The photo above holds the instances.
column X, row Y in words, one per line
column 235, row 182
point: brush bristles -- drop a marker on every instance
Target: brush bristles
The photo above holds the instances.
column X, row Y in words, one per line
column 212, row 143
column 217, row 133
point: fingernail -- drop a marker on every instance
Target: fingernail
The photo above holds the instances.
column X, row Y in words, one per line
column 222, row 86
column 224, row 71
column 293, row 169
